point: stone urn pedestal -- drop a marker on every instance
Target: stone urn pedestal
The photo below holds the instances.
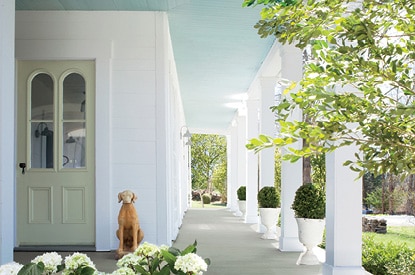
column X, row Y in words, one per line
column 269, row 218
column 242, row 208
column 310, row 234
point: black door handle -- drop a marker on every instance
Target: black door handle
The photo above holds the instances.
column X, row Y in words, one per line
column 23, row 166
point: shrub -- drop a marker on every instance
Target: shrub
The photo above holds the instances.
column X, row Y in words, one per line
column 309, row 202
column 387, row 258
column 206, row 199
column 268, row 197
column 241, row 192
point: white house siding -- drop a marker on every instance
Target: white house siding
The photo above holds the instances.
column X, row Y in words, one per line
column 7, row 137
column 138, row 109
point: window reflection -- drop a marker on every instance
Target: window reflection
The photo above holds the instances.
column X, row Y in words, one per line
column 42, row 114
column 74, row 97
column 42, row 145
column 74, row 145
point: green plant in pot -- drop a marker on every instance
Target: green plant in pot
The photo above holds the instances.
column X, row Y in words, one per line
column 310, row 210
column 309, row 202
column 269, row 203
column 241, row 193
column 268, row 197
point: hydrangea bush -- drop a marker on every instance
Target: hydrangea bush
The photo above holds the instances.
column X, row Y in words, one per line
column 148, row 259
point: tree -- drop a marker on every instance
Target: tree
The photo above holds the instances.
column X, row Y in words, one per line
column 208, row 153
column 219, row 180
column 358, row 88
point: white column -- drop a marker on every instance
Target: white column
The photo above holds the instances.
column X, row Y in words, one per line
column 267, row 127
column 232, row 170
column 7, row 122
column 291, row 173
column 241, row 170
column 252, row 164
column 343, row 216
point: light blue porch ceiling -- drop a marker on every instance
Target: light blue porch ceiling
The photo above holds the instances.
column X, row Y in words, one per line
column 216, row 48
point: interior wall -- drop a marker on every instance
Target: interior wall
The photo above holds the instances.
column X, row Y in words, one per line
column 131, row 50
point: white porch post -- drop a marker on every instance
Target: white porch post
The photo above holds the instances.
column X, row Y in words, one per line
column 291, row 173
column 252, row 164
column 242, row 163
column 343, row 216
column 267, row 127
column 7, row 121
column 232, row 152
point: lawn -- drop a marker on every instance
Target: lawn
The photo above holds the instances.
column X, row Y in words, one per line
column 198, row 204
column 397, row 235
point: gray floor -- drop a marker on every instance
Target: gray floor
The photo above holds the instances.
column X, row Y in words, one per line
column 232, row 246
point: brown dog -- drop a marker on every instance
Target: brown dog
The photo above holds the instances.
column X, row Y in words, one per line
column 129, row 232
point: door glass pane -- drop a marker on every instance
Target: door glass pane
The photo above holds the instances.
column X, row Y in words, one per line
column 74, row 97
column 42, row 145
column 42, row 97
column 74, row 145
column 42, row 113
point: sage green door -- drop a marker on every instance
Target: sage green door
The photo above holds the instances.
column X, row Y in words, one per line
column 55, row 153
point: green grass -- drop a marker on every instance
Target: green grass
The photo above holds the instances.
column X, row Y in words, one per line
column 198, row 204
column 396, row 235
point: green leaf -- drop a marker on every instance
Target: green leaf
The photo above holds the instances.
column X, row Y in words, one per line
column 141, row 270
column 169, row 257
column 86, row 270
column 32, row 269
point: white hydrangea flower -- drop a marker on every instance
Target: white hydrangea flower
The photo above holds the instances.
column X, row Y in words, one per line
column 10, row 268
column 51, row 260
column 147, row 250
column 190, row 263
column 129, row 260
column 123, row 271
column 76, row 260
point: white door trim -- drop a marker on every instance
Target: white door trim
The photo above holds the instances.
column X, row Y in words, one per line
column 100, row 51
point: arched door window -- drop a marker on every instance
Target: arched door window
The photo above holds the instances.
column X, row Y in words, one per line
column 42, row 121
column 73, row 121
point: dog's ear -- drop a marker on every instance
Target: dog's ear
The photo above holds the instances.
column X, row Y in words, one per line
column 119, row 197
column 134, row 197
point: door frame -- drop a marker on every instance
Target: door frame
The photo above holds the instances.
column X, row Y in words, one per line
column 100, row 52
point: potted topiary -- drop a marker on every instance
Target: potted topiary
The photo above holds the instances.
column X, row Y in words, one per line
column 310, row 210
column 269, row 210
column 241, row 193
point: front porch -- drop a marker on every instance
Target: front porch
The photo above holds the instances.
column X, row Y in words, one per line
column 234, row 247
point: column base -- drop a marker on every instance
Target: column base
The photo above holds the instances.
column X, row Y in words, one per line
column 290, row 244
column 251, row 219
column 343, row 270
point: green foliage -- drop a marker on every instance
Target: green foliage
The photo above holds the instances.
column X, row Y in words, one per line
column 381, row 258
column 219, row 180
column 277, row 170
column 374, row 199
column 206, row 199
column 318, row 169
column 32, row 269
column 357, row 86
column 268, row 197
column 241, row 193
column 309, row 202
column 208, row 154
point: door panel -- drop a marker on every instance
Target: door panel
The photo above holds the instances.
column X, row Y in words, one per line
column 55, row 139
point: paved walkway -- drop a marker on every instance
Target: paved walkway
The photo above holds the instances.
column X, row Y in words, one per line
column 233, row 247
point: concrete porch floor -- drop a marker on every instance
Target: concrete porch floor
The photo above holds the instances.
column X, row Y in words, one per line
column 233, row 247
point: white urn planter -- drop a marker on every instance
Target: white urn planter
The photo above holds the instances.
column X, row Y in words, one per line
column 242, row 207
column 269, row 218
column 310, row 233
